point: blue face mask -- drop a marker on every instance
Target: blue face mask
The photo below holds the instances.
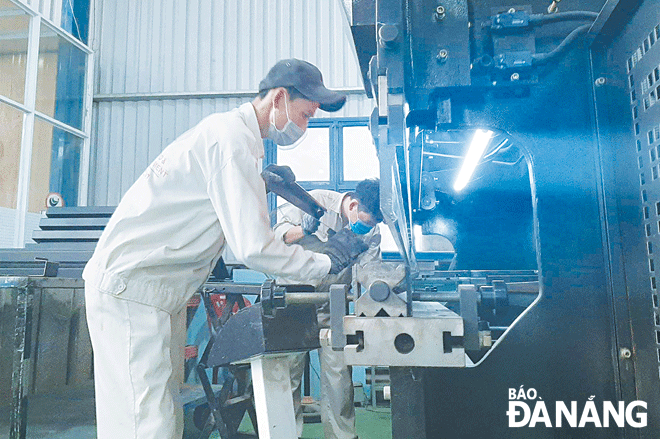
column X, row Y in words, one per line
column 360, row 228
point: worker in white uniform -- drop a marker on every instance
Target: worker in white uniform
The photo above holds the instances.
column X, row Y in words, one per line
column 204, row 191
column 360, row 211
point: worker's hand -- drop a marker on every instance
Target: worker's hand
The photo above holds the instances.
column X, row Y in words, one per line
column 343, row 249
column 277, row 175
column 309, row 224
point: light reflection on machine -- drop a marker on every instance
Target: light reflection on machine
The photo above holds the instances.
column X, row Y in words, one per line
column 465, row 295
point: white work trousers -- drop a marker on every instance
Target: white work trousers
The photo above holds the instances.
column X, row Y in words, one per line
column 138, row 368
column 337, row 406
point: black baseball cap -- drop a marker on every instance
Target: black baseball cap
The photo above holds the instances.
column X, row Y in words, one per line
column 307, row 79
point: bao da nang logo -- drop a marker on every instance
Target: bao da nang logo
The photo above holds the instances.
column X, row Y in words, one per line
column 527, row 409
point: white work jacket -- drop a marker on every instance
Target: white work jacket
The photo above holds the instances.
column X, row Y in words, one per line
column 289, row 216
column 203, row 190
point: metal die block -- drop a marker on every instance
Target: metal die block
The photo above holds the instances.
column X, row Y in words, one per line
column 404, row 341
column 393, row 306
column 250, row 333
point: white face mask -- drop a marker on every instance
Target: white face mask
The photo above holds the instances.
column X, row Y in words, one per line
column 287, row 136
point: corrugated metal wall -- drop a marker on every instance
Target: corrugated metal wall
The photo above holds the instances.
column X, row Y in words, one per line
column 162, row 66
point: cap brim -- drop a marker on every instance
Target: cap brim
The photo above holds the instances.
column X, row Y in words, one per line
column 328, row 100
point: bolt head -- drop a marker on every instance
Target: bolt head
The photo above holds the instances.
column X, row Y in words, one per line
column 515, row 76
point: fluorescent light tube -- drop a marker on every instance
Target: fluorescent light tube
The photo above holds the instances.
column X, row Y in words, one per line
column 477, row 147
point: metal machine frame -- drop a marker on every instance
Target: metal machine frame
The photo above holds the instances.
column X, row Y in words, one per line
column 562, row 94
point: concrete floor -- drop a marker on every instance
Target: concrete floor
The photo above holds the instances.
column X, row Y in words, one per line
column 65, row 415
column 70, row 415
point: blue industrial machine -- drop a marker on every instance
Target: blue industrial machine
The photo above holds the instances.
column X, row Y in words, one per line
column 553, row 232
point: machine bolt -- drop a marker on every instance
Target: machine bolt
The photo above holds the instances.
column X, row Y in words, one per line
column 601, row 81
column 512, row 10
column 442, row 55
column 515, row 76
column 625, row 353
column 387, row 35
column 440, row 13
column 379, row 291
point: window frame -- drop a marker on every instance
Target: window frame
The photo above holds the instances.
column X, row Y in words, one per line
column 336, row 183
column 30, row 113
column 336, row 152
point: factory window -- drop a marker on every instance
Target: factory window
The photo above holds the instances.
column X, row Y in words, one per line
column 10, row 139
column 651, row 265
column 644, row 197
column 310, row 160
column 639, row 145
column 640, row 160
column 650, row 136
column 647, row 104
column 335, row 154
column 633, row 96
column 657, row 208
column 43, row 107
column 61, row 100
column 655, row 300
column 649, row 246
column 657, row 319
column 652, row 38
column 647, row 45
column 653, row 285
column 652, row 154
column 648, row 230
column 642, row 180
column 637, row 129
column 654, row 171
column 359, row 154
column 630, row 66
column 657, row 32
column 656, row 73
column 658, row 226
column 646, row 213
column 650, row 79
column 634, row 112
column 657, row 92
column 652, row 97
column 631, row 81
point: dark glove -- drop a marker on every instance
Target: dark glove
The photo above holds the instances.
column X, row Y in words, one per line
column 309, row 224
column 275, row 175
column 343, row 249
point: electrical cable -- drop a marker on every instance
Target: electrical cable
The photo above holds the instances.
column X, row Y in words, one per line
column 75, row 20
column 541, row 19
column 542, row 58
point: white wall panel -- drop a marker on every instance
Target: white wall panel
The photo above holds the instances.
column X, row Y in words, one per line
column 216, row 45
column 7, row 218
column 7, row 229
column 151, row 56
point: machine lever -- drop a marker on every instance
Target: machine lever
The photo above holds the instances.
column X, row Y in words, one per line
column 299, row 197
